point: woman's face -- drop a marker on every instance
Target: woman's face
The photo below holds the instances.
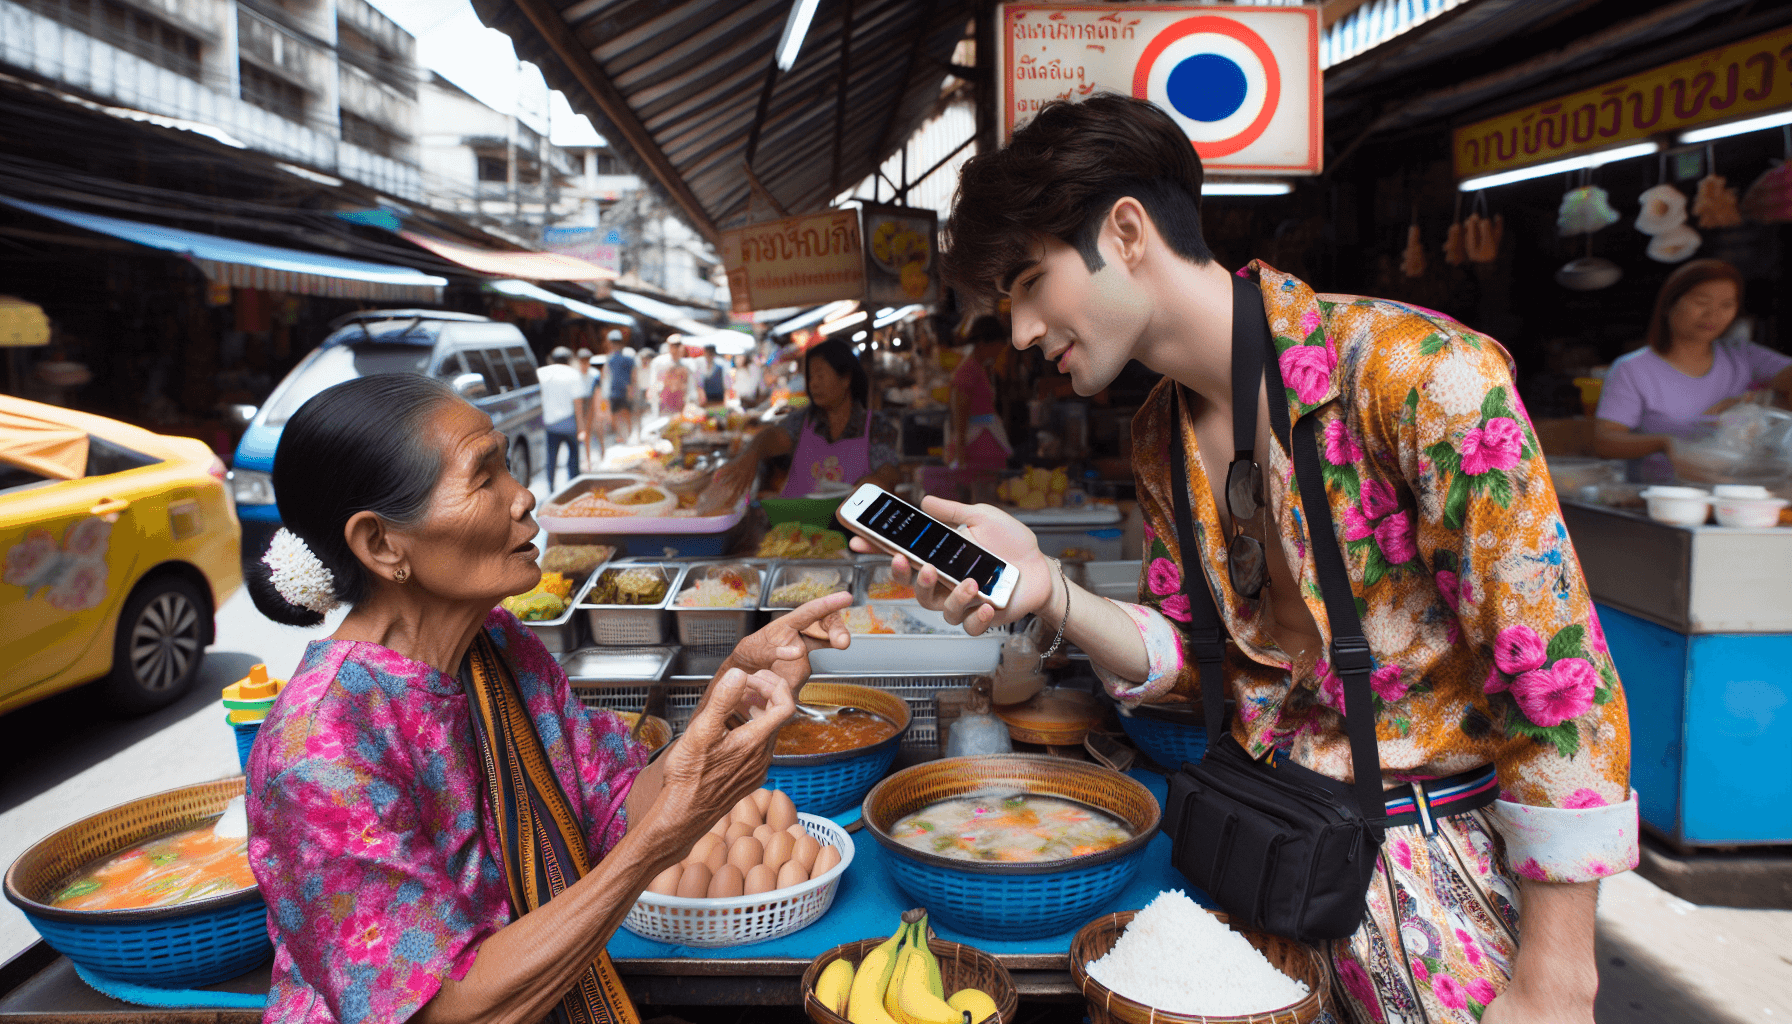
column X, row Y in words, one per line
column 474, row 542
column 1704, row 312
column 828, row 389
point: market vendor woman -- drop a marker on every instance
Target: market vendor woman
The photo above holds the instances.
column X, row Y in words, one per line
column 1690, row 370
column 428, row 781
column 835, row 439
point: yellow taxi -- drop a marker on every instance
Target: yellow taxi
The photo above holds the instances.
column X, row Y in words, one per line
column 117, row 545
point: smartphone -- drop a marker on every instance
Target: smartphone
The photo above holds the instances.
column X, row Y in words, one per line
column 900, row 528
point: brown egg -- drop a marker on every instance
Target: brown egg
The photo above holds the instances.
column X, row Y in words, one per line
column 700, row 852
column 797, row 831
column 760, row 879
column 805, row 850
column 777, row 852
column 694, row 883
column 748, row 811
column 790, row 874
column 718, row 856
column 761, row 797
column 764, row 833
column 728, row 882
column 782, row 812
column 825, row 861
column 736, row 829
column 666, row 882
column 745, row 853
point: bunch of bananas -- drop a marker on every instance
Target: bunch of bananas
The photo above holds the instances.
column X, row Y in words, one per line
column 899, row 983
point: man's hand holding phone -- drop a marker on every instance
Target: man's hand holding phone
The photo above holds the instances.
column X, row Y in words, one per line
column 1002, row 536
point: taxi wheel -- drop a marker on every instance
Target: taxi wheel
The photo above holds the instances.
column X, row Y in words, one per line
column 520, row 464
column 160, row 643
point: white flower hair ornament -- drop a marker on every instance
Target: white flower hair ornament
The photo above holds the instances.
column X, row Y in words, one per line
column 297, row 575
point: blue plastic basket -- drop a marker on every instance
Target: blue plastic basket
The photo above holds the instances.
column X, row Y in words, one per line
column 198, row 943
column 828, row 789
column 1167, row 743
column 245, row 741
column 1014, row 906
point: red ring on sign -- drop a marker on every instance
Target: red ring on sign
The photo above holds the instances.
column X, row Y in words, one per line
column 1141, row 76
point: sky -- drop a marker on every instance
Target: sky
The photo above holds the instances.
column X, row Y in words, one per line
column 452, row 42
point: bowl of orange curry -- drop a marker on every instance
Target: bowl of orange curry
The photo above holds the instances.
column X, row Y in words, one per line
column 828, row 767
column 146, row 892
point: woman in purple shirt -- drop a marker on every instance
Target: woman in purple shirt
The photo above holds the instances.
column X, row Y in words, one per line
column 1687, row 373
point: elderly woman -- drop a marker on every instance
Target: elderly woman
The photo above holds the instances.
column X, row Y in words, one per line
column 440, row 828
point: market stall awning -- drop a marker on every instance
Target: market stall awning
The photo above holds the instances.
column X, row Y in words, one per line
column 253, row 265
column 28, row 439
column 525, row 290
column 676, row 317
column 811, row 318
column 690, row 90
column 532, row 266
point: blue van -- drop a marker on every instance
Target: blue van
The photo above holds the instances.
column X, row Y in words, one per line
column 486, row 361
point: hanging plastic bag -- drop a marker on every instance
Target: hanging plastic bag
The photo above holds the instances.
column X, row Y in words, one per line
column 1769, row 199
column 1412, row 261
column 1715, row 204
column 1675, row 245
column 1585, row 210
column 1664, row 209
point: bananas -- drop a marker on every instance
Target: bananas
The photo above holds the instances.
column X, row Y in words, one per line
column 899, row 982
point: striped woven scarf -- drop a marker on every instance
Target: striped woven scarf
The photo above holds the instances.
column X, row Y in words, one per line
column 539, row 834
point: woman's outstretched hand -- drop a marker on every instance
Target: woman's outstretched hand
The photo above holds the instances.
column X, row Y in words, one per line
column 783, row 645
column 712, row 766
column 994, row 531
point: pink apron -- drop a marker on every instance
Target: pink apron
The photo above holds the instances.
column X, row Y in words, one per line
column 816, row 461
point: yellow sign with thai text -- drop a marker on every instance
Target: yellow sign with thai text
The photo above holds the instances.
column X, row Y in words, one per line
column 1730, row 82
column 797, row 261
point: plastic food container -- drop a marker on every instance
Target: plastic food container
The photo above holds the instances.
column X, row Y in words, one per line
column 739, row 920
column 1751, row 513
column 1678, row 506
column 631, row 625
column 928, row 654
column 845, row 575
column 1740, row 491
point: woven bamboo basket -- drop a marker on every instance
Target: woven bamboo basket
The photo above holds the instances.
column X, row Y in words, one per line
column 961, row 966
column 654, row 735
column 1298, row 960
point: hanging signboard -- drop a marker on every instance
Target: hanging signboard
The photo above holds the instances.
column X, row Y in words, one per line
column 1242, row 82
column 901, row 255
column 1724, row 84
column 797, row 261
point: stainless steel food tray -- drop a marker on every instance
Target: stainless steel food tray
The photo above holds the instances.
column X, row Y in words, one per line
column 633, row 625
column 784, row 571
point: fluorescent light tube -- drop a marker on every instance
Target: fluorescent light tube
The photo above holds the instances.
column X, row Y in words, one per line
column 1720, row 131
column 802, row 12
column 1573, row 163
column 1245, row 188
column 834, row 326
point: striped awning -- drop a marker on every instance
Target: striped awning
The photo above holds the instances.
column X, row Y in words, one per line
column 253, row 265
column 532, row 266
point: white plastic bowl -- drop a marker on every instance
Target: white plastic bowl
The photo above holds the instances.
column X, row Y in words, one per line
column 1678, row 506
column 1752, row 513
column 1740, row 491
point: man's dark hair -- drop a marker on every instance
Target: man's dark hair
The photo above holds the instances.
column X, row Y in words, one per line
column 1060, row 176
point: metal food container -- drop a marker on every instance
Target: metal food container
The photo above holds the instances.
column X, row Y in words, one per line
column 562, row 633
column 619, row 679
column 632, row 625
column 717, row 627
column 787, row 572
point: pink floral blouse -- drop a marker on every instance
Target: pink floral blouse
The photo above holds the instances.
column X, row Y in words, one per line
column 365, row 823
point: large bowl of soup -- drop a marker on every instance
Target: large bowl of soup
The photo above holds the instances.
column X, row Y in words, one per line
column 829, row 767
column 1013, row 845
column 144, row 892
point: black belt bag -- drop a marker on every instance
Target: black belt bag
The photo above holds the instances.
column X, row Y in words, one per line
column 1280, row 848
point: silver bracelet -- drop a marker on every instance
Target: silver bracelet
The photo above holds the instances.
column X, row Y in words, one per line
column 1053, row 649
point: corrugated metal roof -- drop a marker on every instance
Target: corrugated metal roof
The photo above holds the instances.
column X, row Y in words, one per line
column 680, row 83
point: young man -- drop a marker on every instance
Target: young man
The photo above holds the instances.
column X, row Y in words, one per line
column 561, row 412
column 589, row 404
column 619, row 381
column 1491, row 669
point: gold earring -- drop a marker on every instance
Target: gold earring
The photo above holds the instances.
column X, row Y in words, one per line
column 400, row 575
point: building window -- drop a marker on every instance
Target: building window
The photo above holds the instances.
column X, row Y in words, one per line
column 493, row 168
column 270, row 92
column 128, row 29
column 371, row 135
column 607, row 163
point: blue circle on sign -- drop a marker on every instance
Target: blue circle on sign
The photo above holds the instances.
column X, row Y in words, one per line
column 1206, row 87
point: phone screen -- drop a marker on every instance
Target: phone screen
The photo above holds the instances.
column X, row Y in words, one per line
column 931, row 541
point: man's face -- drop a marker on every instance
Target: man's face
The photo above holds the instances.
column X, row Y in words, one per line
column 1086, row 323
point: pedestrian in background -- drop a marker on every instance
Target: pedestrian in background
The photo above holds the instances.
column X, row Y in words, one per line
column 589, row 399
column 561, row 412
column 619, row 386
column 715, row 377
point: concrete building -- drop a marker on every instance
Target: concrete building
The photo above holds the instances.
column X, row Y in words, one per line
column 329, row 85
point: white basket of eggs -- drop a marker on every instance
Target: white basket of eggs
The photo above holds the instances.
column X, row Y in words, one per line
column 762, row 872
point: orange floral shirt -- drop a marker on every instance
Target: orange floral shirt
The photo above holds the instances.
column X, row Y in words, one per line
column 1486, row 643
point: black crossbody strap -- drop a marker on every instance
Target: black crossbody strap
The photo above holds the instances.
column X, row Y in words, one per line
column 1349, row 649
column 1206, row 632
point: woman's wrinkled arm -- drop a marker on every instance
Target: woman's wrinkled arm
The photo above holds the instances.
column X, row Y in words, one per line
column 524, row 969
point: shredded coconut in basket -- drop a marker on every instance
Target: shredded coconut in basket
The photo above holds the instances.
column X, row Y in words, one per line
column 1175, row 956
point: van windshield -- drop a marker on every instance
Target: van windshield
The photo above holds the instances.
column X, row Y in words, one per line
column 338, row 363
